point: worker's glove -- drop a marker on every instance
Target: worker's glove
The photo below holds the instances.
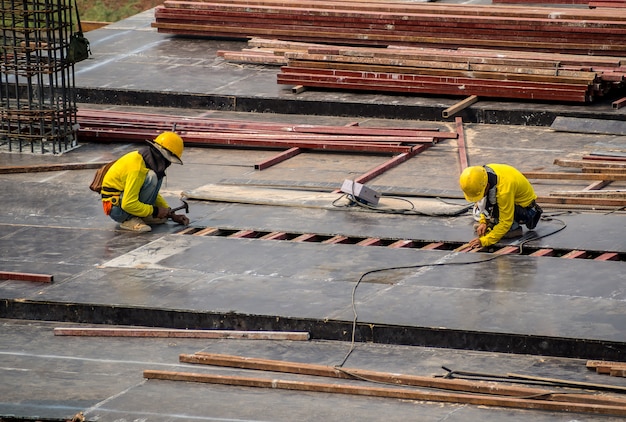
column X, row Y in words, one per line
column 180, row 219
column 163, row 212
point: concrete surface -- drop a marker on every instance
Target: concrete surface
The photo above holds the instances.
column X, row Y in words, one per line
column 459, row 310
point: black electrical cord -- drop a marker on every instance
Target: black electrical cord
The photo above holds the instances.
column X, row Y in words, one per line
column 493, row 257
column 400, row 211
column 352, row 343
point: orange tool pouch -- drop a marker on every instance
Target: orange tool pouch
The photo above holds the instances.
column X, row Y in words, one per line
column 107, row 206
column 109, row 200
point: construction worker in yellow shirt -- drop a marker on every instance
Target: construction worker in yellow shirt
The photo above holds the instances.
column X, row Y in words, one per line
column 130, row 188
column 507, row 199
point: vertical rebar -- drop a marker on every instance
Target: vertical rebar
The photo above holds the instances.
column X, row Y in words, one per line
column 37, row 95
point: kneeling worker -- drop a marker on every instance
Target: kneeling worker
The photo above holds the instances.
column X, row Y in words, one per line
column 130, row 188
column 509, row 200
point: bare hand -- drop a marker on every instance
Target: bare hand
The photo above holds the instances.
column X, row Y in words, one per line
column 163, row 212
column 481, row 230
column 475, row 243
column 180, row 219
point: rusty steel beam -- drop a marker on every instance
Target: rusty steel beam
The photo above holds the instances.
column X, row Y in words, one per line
column 394, row 162
column 418, row 84
column 463, row 154
column 398, row 23
column 461, row 105
column 42, row 278
column 285, row 155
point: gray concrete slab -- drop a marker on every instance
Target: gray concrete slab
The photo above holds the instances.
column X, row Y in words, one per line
column 51, row 223
column 50, row 377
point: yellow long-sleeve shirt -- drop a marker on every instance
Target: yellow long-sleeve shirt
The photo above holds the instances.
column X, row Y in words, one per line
column 127, row 175
column 512, row 188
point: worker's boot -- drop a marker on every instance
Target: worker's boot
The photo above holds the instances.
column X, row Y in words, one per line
column 154, row 221
column 135, row 224
column 514, row 231
column 534, row 215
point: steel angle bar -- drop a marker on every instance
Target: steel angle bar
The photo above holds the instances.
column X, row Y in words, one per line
column 394, row 162
column 285, row 155
column 463, row 154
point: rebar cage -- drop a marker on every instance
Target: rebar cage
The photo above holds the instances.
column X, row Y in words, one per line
column 37, row 95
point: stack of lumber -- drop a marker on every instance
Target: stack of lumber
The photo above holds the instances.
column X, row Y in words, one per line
column 463, row 71
column 377, row 23
column 114, row 126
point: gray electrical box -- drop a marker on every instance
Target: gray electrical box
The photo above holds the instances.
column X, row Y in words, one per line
column 360, row 192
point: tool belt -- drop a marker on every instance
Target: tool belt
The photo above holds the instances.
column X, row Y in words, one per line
column 534, row 212
column 110, row 199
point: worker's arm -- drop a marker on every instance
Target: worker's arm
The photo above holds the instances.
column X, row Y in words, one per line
column 506, row 209
column 130, row 199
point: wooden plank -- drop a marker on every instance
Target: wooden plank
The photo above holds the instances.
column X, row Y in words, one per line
column 433, row 246
column 244, row 234
column 36, row 168
column 575, row 255
column 507, row 250
column 372, row 241
column 337, row 240
column 543, row 252
column 207, row 231
column 402, row 244
column 452, row 384
column 593, row 202
column 41, row 278
column 608, row 256
column 275, row 236
column 174, row 333
column 605, row 367
column 563, row 162
column 571, row 383
column 388, row 392
column 308, row 237
column 572, row 176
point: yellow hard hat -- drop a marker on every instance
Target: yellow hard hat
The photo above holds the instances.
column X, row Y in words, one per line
column 473, row 182
column 171, row 145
